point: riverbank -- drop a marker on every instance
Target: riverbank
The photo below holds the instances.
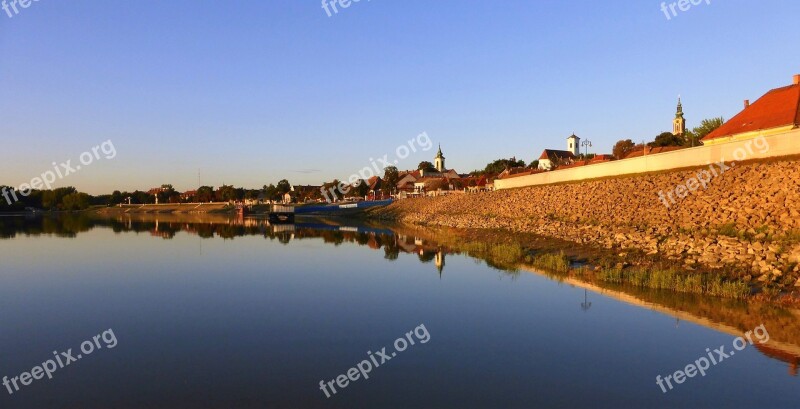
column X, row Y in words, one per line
column 744, row 227
column 166, row 208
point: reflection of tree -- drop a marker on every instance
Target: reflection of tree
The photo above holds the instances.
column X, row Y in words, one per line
column 391, row 252
column 362, row 238
column 426, row 256
column 66, row 225
column 333, row 237
column 284, row 238
column 209, row 226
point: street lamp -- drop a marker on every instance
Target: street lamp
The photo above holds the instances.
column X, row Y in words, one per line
column 587, row 143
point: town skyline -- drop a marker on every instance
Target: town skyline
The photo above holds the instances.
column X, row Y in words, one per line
column 264, row 106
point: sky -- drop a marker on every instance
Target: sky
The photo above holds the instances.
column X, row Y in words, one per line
column 251, row 92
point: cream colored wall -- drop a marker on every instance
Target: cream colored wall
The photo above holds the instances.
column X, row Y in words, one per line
column 783, row 144
column 750, row 135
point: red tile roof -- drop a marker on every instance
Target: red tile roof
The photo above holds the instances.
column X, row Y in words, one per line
column 575, row 164
column 375, row 182
column 414, row 173
column 652, row 151
column 778, row 107
column 549, row 153
column 602, row 158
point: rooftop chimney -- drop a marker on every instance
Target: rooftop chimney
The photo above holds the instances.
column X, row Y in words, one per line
column 746, row 103
column 797, row 79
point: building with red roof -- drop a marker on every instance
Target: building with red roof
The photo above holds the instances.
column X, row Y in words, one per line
column 776, row 112
column 551, row 158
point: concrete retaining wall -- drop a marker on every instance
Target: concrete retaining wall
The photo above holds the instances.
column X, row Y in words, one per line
column 785, row 144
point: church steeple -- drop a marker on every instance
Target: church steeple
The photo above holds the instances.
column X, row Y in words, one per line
column 439, row 261
column 679, row 123
column 438, row 161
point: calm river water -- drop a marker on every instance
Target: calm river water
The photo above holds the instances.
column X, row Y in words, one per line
column 211, row 312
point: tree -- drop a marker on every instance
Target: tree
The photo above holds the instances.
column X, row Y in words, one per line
column 622, row 148
column 205, row 194
column 707, row 126
column 52, row 199
column 361, row 188
column 284, row 187
column 499, row 165
column 168, row 194
column 251, row 194
column 666, row 139
column 226, row 193
column 9, row 204
column 332, row 191
column 75, row 201
column 426, row 167
column 271, row 192
column 116, row 198
column 141, row 197
column 534, row 165
column 390, row 178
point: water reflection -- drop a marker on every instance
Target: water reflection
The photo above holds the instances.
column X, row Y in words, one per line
column 225, row 227
column 431, row 247
column 585, row 305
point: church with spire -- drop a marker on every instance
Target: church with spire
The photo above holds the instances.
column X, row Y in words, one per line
column 679, row 123
column 422, row 180
column 438, row 161
column 441, row 170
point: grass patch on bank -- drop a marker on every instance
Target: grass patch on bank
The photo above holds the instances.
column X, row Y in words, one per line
column 506, row 253
column 655, row 278
column 558, row 260
column 505, row 256
column 558, row 263
column 672, row 280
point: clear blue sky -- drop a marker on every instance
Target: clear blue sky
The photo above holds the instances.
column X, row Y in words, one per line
column 252, row 92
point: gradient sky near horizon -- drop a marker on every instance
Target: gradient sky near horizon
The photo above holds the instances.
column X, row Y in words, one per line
column 251, row 92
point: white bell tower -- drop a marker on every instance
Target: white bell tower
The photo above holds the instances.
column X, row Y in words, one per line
column 574, row 144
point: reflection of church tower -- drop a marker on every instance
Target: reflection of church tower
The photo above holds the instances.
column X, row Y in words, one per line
column 439, row 260
column 438, row 162
column 679, row 123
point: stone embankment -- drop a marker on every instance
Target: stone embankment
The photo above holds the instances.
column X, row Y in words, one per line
column 745, row 221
